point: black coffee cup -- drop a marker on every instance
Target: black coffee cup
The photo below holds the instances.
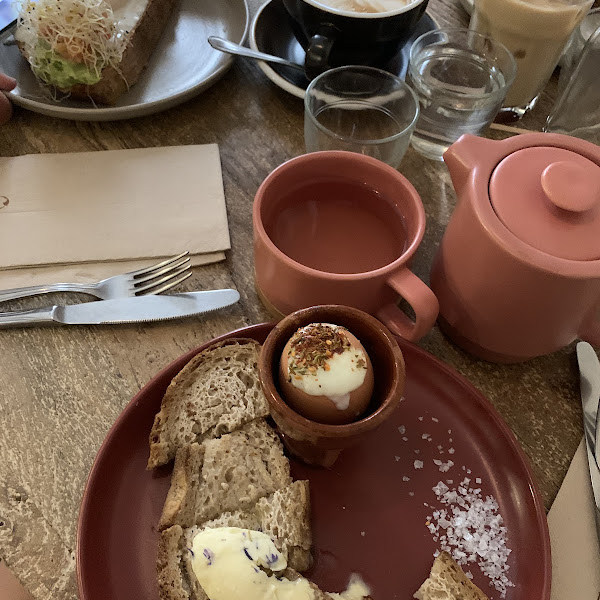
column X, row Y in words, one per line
column 333, row 37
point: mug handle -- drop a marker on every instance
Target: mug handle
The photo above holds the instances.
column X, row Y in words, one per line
column 422, row 300
column 591, row 330
column 319, row 49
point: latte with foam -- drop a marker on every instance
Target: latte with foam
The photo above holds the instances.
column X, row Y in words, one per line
column 365, row 6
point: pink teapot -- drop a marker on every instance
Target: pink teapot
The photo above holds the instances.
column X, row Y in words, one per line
column 517, row 274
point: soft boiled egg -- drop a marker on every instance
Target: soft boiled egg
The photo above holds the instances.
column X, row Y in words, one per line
column 325, row 374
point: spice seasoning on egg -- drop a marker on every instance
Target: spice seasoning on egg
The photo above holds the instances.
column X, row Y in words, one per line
column 326, row 374
column 312, row 346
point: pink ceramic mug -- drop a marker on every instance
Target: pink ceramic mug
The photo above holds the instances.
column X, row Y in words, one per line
column 341, row 228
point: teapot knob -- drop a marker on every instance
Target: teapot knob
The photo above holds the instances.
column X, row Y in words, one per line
column 572, row 186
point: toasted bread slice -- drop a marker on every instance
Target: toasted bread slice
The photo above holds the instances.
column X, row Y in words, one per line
column 225, row 474
column 176, row 577
column 141, row 40
column 284, row 516
column 217, row 392
column 174, row 581
column 294, row 534
column 447, row 581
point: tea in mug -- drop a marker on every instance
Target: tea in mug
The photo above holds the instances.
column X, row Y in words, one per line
column 338, row 226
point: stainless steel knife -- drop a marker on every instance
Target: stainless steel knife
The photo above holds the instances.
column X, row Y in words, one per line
column 589, row 370
column 139, row 309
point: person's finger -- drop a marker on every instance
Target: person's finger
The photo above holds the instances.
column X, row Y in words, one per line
column 5, row 109
column 7, row 83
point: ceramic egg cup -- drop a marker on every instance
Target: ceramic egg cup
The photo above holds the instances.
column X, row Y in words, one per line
column 319, row 443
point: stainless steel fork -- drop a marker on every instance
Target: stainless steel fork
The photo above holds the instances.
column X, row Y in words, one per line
column 150, row 280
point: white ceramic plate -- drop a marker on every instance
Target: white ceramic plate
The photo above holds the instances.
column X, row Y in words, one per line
column 182, row 65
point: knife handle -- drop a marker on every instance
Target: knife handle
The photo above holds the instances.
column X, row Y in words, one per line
column 34, row 316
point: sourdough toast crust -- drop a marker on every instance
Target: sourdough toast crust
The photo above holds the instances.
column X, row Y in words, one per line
column 447, row 581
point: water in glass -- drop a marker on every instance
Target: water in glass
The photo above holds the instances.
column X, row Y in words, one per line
column 459, row 92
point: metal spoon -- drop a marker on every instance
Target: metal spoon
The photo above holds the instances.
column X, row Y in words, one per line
column 226, row 46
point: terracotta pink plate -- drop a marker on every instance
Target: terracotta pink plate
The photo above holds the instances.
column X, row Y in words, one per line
column 368, row 511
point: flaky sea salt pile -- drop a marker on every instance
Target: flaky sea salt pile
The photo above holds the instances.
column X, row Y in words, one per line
column 472, row 531
column 443, row 466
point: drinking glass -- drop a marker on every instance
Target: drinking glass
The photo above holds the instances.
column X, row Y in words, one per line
column 577, row 110
column 580, row 36
column 536, row 32
column 360, row 109
column 460, row 78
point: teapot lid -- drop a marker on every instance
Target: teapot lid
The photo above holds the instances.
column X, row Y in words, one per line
column 550, row 199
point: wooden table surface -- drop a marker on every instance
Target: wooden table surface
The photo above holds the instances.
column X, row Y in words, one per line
column 61, row 389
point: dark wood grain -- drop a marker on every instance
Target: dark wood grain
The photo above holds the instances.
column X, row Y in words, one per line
column 61, row 389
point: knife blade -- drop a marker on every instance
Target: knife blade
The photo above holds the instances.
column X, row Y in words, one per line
column 589, row 371
column 140, row 309
column 589, row 368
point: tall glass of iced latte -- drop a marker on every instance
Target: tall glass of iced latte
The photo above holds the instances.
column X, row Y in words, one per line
column 536, row 32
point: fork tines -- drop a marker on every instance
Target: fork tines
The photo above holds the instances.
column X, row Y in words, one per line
column 162, row 276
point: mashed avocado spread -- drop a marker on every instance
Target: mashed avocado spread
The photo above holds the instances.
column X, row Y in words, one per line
column 60, row 72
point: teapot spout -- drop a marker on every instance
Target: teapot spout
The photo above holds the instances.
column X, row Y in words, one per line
column 470, row 154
